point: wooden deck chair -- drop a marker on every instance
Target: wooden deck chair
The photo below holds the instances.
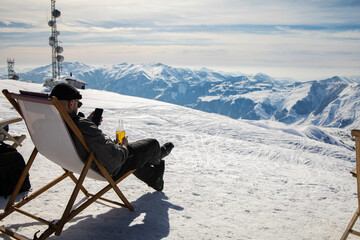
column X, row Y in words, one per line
column 10, row 137
column 355, row 133
column 47, row 123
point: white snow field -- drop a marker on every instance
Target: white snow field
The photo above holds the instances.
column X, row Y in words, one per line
column 225, row 178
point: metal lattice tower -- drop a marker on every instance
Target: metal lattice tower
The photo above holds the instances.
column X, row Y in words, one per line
column 54, row 43
column 11, row 72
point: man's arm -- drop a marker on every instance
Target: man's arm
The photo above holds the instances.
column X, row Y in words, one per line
column 109, row 153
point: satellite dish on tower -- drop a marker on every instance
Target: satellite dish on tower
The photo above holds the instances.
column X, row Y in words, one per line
column 51, row 41
column 59, row 49
column 60, row 58
column 51, row 23
column 56, row 13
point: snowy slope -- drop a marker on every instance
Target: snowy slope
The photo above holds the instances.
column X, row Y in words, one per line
column 225, row 179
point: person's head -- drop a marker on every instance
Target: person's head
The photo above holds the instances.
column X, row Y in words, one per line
column 68, row 96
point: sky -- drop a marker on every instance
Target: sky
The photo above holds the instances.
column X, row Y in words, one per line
column 304, row 40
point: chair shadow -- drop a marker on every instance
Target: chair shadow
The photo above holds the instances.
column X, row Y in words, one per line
column 117, row 223
column 4, row 199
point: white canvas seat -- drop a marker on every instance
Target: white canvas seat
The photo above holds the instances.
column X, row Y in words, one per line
column 49, row 126
column 51, row 136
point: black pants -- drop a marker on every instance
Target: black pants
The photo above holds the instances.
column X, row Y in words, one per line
column 144, row 155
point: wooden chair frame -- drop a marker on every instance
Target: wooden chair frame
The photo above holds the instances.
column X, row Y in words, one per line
column 349, row 230
column 8, row 137
column 69, row 213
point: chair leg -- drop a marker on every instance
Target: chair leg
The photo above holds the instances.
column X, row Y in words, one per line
column 75, row 180
column 113, row 184
column 350, row 225
column 65, row 218
column 12, row 234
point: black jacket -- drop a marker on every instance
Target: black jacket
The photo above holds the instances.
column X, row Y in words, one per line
column 109, row 153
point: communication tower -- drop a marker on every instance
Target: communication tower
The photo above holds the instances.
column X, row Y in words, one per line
column 56, row 50
column 11, row 72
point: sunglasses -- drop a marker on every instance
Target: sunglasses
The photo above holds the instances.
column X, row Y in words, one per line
column 79, row 104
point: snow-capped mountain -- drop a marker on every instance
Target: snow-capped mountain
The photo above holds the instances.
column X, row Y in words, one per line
column 331, row 102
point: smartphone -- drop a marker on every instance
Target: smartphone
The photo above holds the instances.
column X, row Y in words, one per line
column 97, row 116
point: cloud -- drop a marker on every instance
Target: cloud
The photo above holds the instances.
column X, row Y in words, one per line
column 4, row 24
column 204, row 32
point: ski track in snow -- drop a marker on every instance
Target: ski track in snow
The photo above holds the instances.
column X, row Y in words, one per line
column 225, row 178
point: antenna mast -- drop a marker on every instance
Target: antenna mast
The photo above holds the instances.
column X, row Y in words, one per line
column 54, row 43
column 11, row 72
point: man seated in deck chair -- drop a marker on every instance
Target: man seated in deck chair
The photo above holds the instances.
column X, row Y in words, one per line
column 144, row 155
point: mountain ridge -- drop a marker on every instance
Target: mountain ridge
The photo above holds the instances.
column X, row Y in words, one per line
column 323, row 102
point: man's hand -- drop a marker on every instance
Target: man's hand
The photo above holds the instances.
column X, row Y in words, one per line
column 92, row 115
column 125, row 141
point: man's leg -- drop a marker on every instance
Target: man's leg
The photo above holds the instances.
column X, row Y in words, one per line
column 144, row 155
column 152, row 175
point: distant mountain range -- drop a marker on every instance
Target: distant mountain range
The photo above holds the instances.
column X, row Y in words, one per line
column 333, row 102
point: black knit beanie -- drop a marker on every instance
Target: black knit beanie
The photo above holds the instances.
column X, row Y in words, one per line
column 64, row 91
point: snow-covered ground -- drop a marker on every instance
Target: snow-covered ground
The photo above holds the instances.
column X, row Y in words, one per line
column 225, row 178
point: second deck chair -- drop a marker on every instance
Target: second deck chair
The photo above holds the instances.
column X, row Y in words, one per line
column 9, row 137
column 48, row 124
column 356, row 173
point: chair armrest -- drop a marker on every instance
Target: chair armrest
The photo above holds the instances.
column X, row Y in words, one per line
column 353, row 172
column 8, row 137
column 18, row 140
column 355, row 132
column 9, row 121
